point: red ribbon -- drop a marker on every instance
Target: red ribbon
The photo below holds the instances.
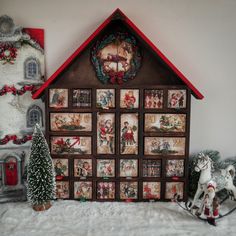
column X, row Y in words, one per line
column 116, row 77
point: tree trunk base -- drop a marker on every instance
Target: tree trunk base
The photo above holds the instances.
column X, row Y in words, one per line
column 42, row 207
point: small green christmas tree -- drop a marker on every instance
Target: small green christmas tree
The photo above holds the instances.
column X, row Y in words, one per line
column 40, row 173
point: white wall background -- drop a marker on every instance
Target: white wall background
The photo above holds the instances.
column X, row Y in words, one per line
column 199, row 37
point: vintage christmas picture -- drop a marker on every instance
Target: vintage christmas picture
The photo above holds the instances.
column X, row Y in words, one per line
column 174, row 168
column 62, row 189
column 128, row 167
column 129, row 98
column 165, row 122
column 105, row 98
column 105, row 133
column 116, row 58
column 151, row 190
column 128, row 190
column 82, row 98
column 164, row 146
column 151, row 168
column 177, row 98
column 106, row 190
column 61, row 167
column 83, row 190
column 58, row 98
column 105, row 168
column 129, row 133
column 71, row 145
column 83, row 167
column 153, row 99
column 71, row 121
column 173, row 188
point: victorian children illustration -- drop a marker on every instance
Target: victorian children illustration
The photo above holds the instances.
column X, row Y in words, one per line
column 177, row 98
column 105, row 133
column 82, row 167
column 58, row 98
column 129, row 133
column 129, row 98
column 62, row 189
column 61, row 167
column 83, row 190
column 128, row 168
column 105, row 168
column 105, row 98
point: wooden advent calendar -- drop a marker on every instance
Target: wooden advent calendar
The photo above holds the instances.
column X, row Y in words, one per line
column 118, row 119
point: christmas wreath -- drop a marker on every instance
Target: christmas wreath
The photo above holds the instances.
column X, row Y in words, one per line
column 8, row 53
column 116, row 58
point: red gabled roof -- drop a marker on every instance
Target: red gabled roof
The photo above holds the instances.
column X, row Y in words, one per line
column 36, row 34
column 125, row 19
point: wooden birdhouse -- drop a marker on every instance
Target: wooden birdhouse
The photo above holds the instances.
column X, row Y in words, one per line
column 118, row 118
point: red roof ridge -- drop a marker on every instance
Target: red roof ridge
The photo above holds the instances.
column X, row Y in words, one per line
column 120, row 14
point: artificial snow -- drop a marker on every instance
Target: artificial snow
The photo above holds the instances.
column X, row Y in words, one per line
column 73, row 218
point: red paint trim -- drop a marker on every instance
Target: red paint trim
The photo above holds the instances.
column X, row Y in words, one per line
column 36, row 34
column 70, row 59
column 194, row 90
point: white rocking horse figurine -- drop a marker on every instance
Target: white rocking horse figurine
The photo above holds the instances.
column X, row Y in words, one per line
column 222, row 178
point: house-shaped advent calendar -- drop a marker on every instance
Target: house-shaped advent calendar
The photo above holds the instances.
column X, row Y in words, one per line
column 118, row 116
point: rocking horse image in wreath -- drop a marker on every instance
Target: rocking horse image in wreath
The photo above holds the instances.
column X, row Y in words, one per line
column 210, row 183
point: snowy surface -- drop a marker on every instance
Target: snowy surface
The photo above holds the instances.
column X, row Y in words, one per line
column 69, row 218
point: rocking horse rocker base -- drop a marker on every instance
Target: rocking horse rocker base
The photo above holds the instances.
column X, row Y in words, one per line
column 210, row 182
column 212, row 221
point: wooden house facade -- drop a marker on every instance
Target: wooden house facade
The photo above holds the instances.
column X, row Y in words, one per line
column 118, row 119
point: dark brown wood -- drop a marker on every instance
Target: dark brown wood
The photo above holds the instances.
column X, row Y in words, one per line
column 117, row 156
column 153, row 74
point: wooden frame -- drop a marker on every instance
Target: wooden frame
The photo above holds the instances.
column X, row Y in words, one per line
column 83, row 167
column 164, row 146
column 81, row 98
column 129, row 98
column 141, row 157
column 174, row 168
column 61, row 167
column 58, row 98
column 83, row 190
column 151, row 190
column 105, row 168
column 69, row 122
column 105, row 98
column 73, row 145
column 128, row 168
column 106, row 190
column 164, row 123
column 172, row 188
column 156, row 73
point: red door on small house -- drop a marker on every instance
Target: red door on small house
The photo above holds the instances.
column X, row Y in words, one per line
column 11, row 172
